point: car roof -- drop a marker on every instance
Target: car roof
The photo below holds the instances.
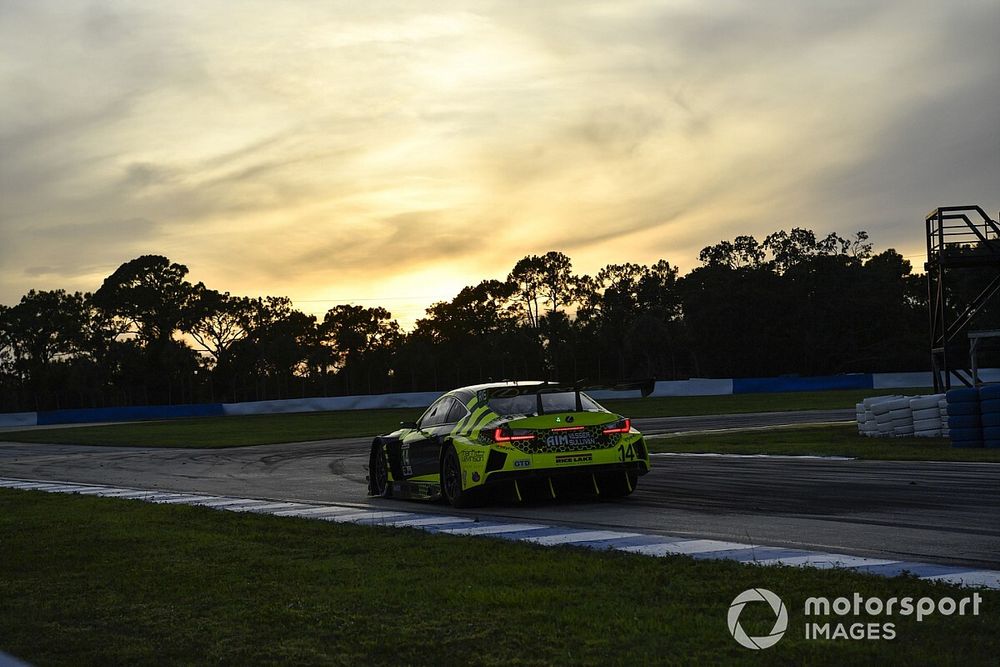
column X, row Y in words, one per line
column 496, row 385
column 465, row 393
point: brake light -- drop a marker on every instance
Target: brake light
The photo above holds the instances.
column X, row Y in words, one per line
column 622, row 426
column 567, row 428
column 503, row 434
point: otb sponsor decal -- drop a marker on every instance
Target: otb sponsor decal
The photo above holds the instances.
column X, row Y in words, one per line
column 574, row 458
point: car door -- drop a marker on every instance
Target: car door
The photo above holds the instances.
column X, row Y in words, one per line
column 420, row 449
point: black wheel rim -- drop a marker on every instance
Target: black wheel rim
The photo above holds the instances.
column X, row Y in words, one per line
column 381, row 474
column 450, row 477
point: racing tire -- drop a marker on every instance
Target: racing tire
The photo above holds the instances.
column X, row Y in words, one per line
column 962, row 395
column 378, row 473
column 616, row 484
column 990, row 392
column 451, row 482
column 963, row 409
column 990, row 405
column 990, row 419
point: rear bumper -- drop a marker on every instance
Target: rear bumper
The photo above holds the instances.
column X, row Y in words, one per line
column 636, row 467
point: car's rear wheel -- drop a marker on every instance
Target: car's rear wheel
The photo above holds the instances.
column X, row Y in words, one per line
column 451, row 481
column 378, row 473
column 617, row 484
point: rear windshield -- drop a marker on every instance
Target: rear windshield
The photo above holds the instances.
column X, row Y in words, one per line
column 527, row 404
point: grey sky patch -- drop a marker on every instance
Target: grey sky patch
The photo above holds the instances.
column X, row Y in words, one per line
column 294, row 147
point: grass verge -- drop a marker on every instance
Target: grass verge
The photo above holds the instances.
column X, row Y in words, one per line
column 209, row 432
column 820, row 441
column 100, row 581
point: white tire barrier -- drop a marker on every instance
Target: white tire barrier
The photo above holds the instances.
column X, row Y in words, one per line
column 902, row 416
column 943, row 407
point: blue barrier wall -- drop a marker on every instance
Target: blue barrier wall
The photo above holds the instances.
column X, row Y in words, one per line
column 692, row 387
column 820, row 383
column 135, row 413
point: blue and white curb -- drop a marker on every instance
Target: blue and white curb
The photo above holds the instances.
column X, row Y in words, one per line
column 538, row 533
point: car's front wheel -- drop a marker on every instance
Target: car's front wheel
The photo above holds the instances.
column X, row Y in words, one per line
column 451, row 481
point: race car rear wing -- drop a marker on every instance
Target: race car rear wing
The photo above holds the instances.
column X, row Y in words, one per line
column 645, row 388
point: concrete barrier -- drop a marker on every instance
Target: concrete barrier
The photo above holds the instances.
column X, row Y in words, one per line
column 18, row 419
column 666, row 388
column 694, row 387
column 128, row 414
column 797, row 383
column 368, row 402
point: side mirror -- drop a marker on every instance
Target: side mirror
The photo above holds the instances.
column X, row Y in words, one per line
column 411, row 425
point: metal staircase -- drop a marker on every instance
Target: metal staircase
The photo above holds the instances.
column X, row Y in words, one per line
column 959, row 238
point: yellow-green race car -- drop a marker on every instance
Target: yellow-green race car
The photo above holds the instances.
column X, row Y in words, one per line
column 524, row 438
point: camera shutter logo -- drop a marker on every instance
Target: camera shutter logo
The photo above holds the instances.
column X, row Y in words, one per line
column 780, row 623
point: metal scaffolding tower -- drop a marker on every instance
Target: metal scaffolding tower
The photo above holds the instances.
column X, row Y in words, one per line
column 959, row 238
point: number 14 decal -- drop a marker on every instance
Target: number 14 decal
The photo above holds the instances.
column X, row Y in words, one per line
column 626, row 453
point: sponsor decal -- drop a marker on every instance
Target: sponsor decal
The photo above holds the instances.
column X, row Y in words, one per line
column 571, row 439
column 522, row 463
column 404, row 459
column 472, row 456
column 574, row 458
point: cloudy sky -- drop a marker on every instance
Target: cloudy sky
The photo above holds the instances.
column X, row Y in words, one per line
column 393, row 152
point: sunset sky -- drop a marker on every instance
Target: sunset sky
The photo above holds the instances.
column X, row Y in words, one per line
column 392, row 152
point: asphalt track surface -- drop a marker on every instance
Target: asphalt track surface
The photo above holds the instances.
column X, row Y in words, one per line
column 929, row 512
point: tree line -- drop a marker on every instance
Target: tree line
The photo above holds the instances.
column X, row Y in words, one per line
column 793, row 302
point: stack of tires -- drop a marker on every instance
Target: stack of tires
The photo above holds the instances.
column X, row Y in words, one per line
column 883, row 418
column 989, row 409
column 943, row 407
column 926, row 416
column 862, row 418
column 868, row 420
column 902, row 418
column 964, row 421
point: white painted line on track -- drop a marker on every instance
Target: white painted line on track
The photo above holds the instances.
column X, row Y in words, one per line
column 493, row 530
column 68, row 489
column 755, row 456
column 228, row 502
column 736, row 429
column 660, row 545
column 987, row 578
column 826, row 561
column 362, row 516
column 314, row 511
column 263, row 506
column 685, row 547
column 580, row 536
column 432, row 521
column 127, row 495
column 184, row 500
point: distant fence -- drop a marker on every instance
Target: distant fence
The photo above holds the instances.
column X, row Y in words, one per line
column 692, row 387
